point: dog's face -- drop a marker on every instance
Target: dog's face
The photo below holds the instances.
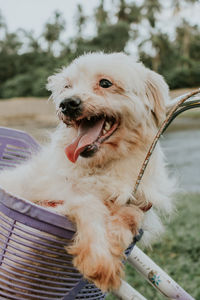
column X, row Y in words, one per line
column 109, row 102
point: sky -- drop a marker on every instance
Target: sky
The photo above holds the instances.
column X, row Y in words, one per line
column 33, row 14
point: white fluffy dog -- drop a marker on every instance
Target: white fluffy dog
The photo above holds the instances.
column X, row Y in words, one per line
column 110, row 108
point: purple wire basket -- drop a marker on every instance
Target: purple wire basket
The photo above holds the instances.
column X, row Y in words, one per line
column 33, row 261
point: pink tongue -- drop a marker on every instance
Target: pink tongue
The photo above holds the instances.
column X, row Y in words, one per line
column 88, row 133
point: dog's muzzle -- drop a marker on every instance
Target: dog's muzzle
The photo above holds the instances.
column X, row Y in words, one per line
column 71, row 107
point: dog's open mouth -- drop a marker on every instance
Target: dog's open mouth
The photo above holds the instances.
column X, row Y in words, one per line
column 92, row 132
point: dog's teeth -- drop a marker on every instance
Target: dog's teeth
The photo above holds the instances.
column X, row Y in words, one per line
column 107, row 126
column 104, row 131
column 88, row 118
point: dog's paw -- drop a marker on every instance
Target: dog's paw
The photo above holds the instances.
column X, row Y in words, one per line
column 122, row 226
column 103, row 269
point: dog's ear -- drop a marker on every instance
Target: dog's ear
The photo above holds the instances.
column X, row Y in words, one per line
column 157, row 93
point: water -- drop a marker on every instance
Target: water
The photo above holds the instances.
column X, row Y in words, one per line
column 182, row 149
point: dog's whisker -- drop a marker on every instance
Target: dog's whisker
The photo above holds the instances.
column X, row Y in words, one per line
column 50, row 98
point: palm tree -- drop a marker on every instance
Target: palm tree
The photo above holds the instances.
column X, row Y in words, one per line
column 10, row 44
column 151, row 8
column 53, row 30
column 81, row 19
column 101, row 16
column 184, row 34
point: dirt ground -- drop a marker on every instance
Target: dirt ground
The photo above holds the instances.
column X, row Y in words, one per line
column 36, row 115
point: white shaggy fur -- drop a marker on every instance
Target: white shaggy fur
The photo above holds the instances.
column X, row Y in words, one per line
column 95, row 190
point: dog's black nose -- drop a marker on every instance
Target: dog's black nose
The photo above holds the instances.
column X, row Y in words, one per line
column 70, row 105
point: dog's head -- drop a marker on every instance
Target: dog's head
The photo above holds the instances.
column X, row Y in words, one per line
column 109, row 102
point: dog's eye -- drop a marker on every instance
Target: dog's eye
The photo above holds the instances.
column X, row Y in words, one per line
column 105, row 83
column 67, row 86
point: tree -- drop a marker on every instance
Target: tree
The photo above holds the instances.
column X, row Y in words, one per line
column 130, row 13
column 184, row 34
column 151, row 8
column 53, row 30
column 81, row 19
column 101, row 16
column 33, row 44
column 10, row 44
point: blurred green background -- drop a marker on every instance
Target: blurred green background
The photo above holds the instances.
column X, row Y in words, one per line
column 26, row 60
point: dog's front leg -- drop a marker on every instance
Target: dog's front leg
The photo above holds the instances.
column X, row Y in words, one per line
column 123, row 225
column 91, row 248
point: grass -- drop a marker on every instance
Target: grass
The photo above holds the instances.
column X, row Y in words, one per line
column 178, row 253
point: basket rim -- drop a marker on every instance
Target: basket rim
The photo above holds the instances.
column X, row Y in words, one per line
column 35, row 211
